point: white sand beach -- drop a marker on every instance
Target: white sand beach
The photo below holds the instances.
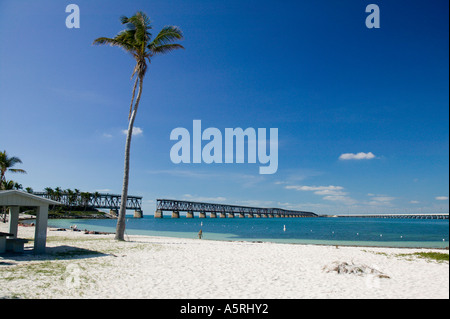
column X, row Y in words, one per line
column 96, row 266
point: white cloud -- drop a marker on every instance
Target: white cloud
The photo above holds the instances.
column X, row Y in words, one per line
column 136, row 131
column 380, row 200
column 358, row 156
column 315, row 188
column 414, row 202
column 256, row 203
column 442, row 198
column 330, row 193
column 339, row 198
column 107, row 135
column 105, row 190
column 195, row 198
column 383, row 198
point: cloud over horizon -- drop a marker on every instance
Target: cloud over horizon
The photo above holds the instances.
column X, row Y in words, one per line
column 329, row 193
column 358, row 156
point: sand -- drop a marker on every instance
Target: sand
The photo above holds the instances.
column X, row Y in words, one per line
column 78, row 265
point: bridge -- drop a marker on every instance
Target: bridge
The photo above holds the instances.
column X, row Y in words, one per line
column 224, row 211
column 401, row 216
column 95, row 200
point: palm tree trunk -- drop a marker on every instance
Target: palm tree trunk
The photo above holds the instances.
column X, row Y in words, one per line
column 132, row 97
column 120, row 228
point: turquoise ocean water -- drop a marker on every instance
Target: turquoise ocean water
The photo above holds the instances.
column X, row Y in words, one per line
column 328, row 231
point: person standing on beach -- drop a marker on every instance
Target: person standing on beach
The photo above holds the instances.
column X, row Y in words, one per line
column 200, row 234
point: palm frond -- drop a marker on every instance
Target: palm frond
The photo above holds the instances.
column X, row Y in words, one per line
column 17, row 170
column 122, row 40
column 14, row 160
column 165, row 48
column 124, row 19
column 167, row 35
column 140, row 24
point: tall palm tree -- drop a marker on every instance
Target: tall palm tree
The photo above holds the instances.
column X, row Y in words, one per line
column 6, row 165
column 136, row 39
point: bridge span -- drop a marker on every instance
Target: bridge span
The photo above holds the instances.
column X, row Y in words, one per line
column 401, row 216
column 95, row 200
column 222, row 210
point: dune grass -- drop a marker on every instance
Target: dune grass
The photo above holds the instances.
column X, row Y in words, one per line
column 432, row 256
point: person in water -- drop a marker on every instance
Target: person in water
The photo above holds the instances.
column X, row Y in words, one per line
column 200, row 234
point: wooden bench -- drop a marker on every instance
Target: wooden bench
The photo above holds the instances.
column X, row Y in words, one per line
column 3, row 241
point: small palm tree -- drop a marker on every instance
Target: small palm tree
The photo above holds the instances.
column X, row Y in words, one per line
column 6, row 165
column 136, row 39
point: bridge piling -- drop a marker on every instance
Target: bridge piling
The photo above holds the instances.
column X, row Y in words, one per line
column 138, row 214
column 114, row 212
column 175, row 214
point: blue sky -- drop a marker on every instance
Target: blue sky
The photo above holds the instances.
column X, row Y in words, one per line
column 312, row 69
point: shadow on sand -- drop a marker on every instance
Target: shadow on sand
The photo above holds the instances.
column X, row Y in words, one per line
column 52, row 253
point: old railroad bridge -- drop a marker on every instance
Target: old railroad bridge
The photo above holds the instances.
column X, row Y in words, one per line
column 230, row 211
column 112, row 202
column 96, row 200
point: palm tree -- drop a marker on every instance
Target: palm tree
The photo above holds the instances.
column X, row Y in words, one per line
column 77, row 197
column 49, row 192
column 136, row 39
column 8, row 185
column 6, row 164
column 85, row 198
column 58, row 193
column 71, row 197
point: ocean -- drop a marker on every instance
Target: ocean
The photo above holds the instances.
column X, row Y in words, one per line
column 421, row 233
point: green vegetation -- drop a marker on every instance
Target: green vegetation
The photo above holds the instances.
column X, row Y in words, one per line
column 6, row 165
column 61, row 212
column 76, row 214
column 75, row 203
column 439, row 257
column 431, row 256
